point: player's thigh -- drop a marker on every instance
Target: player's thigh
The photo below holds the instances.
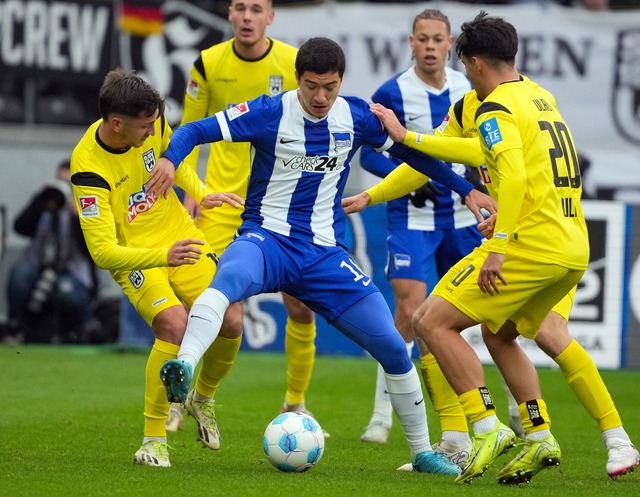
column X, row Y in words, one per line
column 190, row 280
column 148, row 290
column 410, row 254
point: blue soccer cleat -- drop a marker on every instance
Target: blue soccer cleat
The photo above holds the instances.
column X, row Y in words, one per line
column 176, row 377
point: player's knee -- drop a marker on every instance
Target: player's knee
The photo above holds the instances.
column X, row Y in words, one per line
column 170, row 324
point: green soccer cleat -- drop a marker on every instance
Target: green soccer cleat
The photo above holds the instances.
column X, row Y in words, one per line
column 176, row 377
column 487, row 447
column 205, row 416
column 535, row 456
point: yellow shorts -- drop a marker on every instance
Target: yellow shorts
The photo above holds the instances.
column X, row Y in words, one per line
column 219, row 226
column 564, row 306
column 533, row 289
column 153, row 290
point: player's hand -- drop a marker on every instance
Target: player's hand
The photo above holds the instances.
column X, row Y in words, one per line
column 192, row 206
column 184, row 252
column 217, row 199
column 162, row 176
column 490, row 272
column 428, row 191
column 356, row 203
column 487, row 226
column 396, row 131
column 475, row 201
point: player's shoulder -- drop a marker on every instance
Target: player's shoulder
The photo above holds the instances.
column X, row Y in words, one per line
column 457, row 79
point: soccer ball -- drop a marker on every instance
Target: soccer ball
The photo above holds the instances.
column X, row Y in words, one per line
column 293, row 442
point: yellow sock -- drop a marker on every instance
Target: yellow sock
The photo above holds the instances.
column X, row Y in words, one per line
column 216, row 364
column 300, row 350
column 445, row 401
column 156, row 405
column 585, row 381
column 534, row 416
column 477, row 404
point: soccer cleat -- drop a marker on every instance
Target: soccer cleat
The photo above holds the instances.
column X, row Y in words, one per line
column 153, row 454
column 204, row 414
column 176, row 377
column 176, row 418
column 376, row 432
column 301, row 408
column 622, row 457
column 535, row 456
column 457, row 454
column 487, row 447
column 433, row 462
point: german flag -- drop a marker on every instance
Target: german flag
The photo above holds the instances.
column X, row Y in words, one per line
column 141, row 17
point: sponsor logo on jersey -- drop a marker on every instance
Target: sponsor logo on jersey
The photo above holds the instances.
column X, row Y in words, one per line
column 140, row 202
column 88, row 206
column 192, row 88
column 276, row 83
column 149, row 159
column 401, row 260
column 159, row 301
column 490, row 132
column 444, row 123
column 121, row 180
column 341, row 140
column 237, row 110
column 314, row 164
column 136, row 278
column 255, row 235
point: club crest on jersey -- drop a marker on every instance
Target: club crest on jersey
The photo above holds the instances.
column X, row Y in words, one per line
column 149, row 159
column 276, row 83
column 444, row 123
column 401, row 260
column 341, row 140
column 192, row 88
column 88, row 206
column 484, row 174
column 626, row 90
column 237, row 110
column 140, row 202
column 490, row 132
column 136, row 278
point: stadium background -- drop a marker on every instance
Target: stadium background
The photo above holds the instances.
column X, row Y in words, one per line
column 54, row 54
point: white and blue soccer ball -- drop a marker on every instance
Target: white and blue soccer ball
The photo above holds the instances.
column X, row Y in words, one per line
column 293, row 442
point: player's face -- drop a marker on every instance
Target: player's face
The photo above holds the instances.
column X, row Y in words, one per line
column 135, row 130
column 430, row 42
column 250, row 19
column 318, row 92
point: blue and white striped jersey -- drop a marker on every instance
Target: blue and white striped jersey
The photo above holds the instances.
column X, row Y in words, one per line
column 422, row 108
column 299, row 163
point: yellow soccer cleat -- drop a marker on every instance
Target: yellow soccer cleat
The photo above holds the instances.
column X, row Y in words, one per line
column 535, row 456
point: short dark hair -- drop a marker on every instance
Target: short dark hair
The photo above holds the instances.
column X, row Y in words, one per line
column 435, row 14
column 488, row 37
column 128, row 95
column 320, row 55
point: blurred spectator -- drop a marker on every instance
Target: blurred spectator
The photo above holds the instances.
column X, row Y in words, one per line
column 52, row 288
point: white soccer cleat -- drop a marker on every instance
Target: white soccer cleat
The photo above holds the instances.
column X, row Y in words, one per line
column 622, row 457
column 175, row 421
column 153, row 454
column 204, row 414
column 456, row 453
column 376, row 432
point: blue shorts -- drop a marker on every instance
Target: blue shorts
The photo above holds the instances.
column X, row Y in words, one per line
column 326, row 279
column 415, row 254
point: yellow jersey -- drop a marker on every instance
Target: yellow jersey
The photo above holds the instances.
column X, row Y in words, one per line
column 126, row 228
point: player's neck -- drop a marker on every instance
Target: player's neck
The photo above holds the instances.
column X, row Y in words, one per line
column 253, row 51
column 109, row 138
column 435, row 79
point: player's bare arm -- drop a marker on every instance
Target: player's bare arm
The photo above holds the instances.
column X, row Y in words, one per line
column 476, row 200
column 389, row 120
column 356, row 203
column 184, row 252
column 162, row 177
column 217, row 199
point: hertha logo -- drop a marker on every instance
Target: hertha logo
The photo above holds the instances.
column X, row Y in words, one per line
column 149, row 159
column 275, row 85
column 626, row 88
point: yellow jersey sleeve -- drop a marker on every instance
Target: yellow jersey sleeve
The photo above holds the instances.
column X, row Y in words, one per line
column 448, row 149
column 400, row 182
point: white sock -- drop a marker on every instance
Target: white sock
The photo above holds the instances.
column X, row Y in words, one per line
column 205, row 320
column 457, row 438
column 485, row 424
column 538, row 435
column 162, row 440
column 618, row 432
column 405, row 392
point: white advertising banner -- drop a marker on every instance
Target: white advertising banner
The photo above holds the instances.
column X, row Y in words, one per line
column 589, row 60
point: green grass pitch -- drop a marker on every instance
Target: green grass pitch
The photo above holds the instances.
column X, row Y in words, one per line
column 71, row 420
